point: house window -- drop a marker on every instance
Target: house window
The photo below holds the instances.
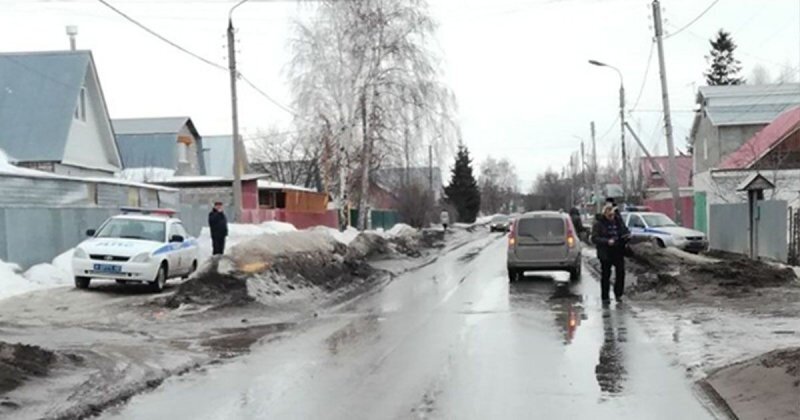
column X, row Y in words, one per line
column 183, row 153
column 80, row 110
column 705, row 148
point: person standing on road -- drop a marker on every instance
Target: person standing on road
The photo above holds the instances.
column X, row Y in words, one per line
column 218, row 224
column 610, row 235
column 444, row 218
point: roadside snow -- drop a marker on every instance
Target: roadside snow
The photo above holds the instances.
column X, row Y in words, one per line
column 41, row 276
column 401, row 229
column 151, row 174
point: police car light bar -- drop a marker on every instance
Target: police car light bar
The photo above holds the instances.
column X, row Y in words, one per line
column 140, row 210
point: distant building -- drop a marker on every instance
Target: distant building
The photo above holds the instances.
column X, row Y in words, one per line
column 171, row 143
column 730, row 115
column 53, row 114
column 218, row 155
column 304, row 173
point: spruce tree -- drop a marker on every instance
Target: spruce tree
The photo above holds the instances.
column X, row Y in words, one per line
column 463, row 192
column 724, row 68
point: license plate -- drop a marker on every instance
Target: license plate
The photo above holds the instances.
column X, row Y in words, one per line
column 107, row 268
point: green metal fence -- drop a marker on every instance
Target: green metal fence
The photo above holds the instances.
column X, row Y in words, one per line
column 379, row 219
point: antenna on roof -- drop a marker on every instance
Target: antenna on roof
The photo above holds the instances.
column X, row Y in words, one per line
column 72, row 32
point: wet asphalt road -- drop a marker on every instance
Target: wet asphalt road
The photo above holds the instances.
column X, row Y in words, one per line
column 451, row 340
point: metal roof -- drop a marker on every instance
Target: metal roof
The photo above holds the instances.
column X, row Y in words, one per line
column 219, row 155
column 764, row 141
column 160, row 125
column 747, row 104
column 147, row 150
column 38, row 95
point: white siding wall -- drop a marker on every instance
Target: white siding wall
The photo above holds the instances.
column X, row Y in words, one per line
column 721, row 187
column 91, row 143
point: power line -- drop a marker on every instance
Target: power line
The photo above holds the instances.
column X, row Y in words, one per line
column 644, row 79
column 196, row 56
column 681, row 29
column 159, row 36
column 265, row 95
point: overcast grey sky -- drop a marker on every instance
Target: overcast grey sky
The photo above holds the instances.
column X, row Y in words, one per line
column 517, row 67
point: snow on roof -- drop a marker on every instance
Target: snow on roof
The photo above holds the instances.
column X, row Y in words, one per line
column 765, row 140
column 274, row 185
column 201, row 179
column 8, row 169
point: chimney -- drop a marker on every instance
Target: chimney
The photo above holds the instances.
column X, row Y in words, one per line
column 72, row 32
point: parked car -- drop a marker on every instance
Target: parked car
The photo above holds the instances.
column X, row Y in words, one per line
column 499, row 223
column 138, row 246
column 660, row 229
column 543, row 241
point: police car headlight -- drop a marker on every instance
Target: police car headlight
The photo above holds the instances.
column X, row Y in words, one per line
column 80, row 253
column 141, row 258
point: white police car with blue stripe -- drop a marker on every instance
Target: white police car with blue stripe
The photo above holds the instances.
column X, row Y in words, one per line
column 138, row 246
column 660, row 229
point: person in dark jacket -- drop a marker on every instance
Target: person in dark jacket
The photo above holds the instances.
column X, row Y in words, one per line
column 575, row 215
column 218, row 224
column 610, row 236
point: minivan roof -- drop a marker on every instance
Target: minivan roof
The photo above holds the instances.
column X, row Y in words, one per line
column 544, row 213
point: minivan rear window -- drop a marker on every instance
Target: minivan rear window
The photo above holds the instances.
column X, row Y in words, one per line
column 542, row 229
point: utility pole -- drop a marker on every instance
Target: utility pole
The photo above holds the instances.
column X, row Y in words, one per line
column 622, row 140
column 237, row 147
column 673, row 184
column 594, row 171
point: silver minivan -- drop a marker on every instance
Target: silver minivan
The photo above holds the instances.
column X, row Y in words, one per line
column 543, row 241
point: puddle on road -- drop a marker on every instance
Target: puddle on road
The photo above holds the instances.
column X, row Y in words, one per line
column 230, row 342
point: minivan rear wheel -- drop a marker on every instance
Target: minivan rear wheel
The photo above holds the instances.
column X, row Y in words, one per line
column 575, row 273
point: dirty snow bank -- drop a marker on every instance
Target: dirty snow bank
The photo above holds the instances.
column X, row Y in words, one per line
column 41, row 276
column 671, row 273
column 272, row 268
column 20, row 362
column 765, row 387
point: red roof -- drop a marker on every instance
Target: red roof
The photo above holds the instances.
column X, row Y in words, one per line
column 765, row 140
column 652, row 180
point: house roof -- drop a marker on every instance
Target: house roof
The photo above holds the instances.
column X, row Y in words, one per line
column 265, row 184
column 684, row 166
column 160, row 125
column 765, row 140
column 147, row 150
column 219, row 155
column 38, row 96
column 747, row 104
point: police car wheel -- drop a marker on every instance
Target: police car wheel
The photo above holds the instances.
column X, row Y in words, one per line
column 160, row 281
column 82, row 282
column 659, row 243
column 192, row 270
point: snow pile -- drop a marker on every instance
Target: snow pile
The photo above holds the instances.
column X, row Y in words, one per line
column 238, row 233
column 345, row 237
column 401, row 229
column 41, row 276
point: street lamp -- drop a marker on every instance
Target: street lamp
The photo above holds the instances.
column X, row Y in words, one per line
column 621, row 125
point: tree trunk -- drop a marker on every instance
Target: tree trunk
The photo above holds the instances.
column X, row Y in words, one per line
column 366, row 158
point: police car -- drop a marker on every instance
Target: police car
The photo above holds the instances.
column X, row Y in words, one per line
column 660, row 229
column 146, row 246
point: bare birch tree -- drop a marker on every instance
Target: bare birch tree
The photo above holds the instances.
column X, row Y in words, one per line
column 367, row 88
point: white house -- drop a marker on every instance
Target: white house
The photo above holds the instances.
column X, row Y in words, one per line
column 53, row 115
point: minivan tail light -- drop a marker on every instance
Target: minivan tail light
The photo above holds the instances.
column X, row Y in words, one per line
column 512, row 234
column 570, row 234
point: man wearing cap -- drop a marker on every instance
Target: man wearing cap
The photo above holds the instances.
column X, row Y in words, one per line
column 218, row 224
column 610, row 235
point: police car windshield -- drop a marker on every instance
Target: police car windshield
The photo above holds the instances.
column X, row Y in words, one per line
column 658, row 220
column 148, row 230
